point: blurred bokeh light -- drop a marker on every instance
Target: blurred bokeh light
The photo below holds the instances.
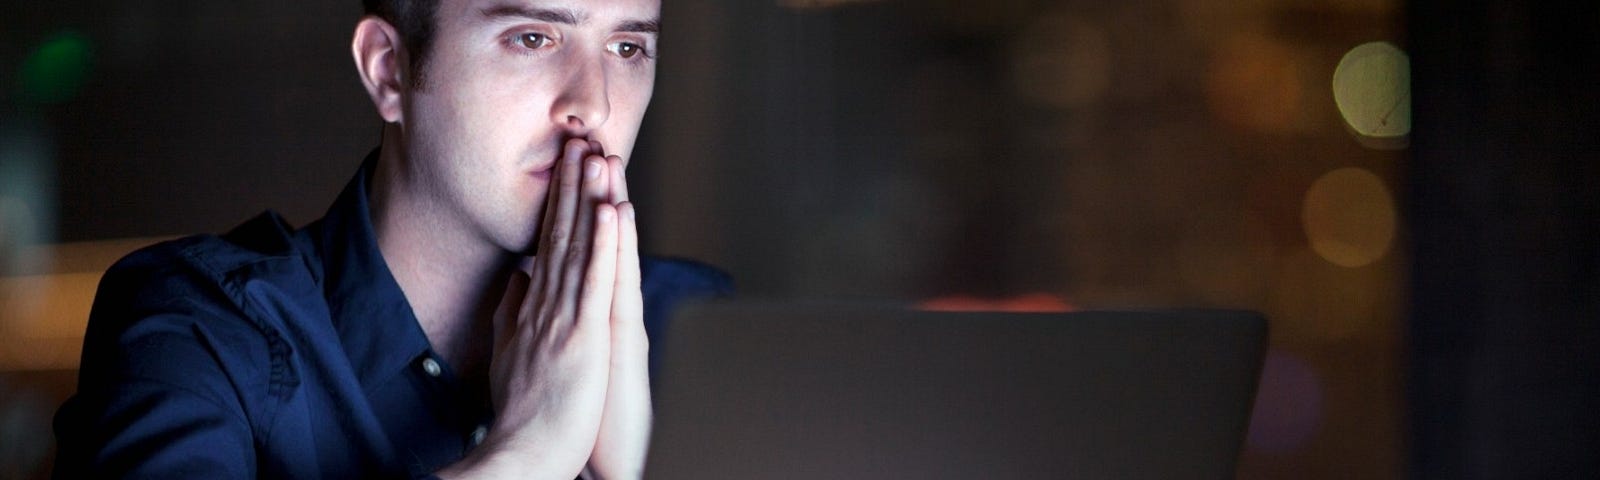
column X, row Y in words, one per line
column 27, row 190
column 1350, row 217
column 56, row 70
column 1288, row 407
column 1372, row 87
column 1255, row 81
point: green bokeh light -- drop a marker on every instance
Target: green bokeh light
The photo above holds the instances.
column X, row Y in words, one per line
column 57, row 70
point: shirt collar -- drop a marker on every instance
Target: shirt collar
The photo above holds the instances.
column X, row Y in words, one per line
column 376, row 325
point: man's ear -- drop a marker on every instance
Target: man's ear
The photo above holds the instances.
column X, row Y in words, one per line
column 379, row 56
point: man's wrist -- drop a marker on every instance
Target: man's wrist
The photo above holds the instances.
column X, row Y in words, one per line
column 498, row 459
column 591, row 472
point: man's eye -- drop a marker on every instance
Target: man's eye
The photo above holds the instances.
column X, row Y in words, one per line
column 629, row 50
column 533, row 41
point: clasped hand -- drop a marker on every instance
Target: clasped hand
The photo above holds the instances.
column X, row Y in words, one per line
column 569, row 375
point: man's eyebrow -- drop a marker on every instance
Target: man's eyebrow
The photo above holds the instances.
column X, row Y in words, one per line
column 552, row 15
column 564, row 16
column 640, row 26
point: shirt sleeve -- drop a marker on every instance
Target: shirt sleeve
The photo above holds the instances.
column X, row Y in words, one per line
column 168, row 368
column 156, row 404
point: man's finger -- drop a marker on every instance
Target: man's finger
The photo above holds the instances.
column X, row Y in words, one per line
column 599, row 281
column 619, row 179
column 592, row 194
column 627, row 304
column 560, row 233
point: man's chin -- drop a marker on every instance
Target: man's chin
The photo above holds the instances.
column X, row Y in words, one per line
column 528, row 248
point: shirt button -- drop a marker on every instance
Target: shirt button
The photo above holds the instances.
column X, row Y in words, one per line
column 431, row 367
column 478, row 434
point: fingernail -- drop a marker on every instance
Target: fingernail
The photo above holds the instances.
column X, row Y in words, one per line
column 605, row 215
column 591, row 170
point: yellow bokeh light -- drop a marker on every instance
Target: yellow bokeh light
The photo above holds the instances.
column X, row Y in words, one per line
column 44, row 308
column 1349, row 217
column 1256, row 82
column 41, row 311
column 1372, row 87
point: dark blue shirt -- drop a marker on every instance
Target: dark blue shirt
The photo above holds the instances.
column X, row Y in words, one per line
column 269, row 352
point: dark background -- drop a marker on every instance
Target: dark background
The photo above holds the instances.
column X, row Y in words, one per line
column 1024, row 154
column 1505, row 315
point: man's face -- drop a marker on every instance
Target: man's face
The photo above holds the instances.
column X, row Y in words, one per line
column 506, row 83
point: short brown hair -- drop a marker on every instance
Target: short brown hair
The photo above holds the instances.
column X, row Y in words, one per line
column 414, row 19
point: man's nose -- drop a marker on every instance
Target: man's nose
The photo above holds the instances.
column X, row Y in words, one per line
column 582, row 105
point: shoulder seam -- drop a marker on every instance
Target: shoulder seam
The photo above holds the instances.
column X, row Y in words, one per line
column 281, row 378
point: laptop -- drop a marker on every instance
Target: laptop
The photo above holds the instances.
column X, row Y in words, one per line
column 842, row 391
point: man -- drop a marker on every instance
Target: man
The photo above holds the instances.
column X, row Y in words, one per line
column 472, row 306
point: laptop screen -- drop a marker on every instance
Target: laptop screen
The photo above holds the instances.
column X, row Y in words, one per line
column 784, row 390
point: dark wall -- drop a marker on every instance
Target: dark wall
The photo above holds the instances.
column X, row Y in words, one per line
column 1505, row 207
column 194, row 115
